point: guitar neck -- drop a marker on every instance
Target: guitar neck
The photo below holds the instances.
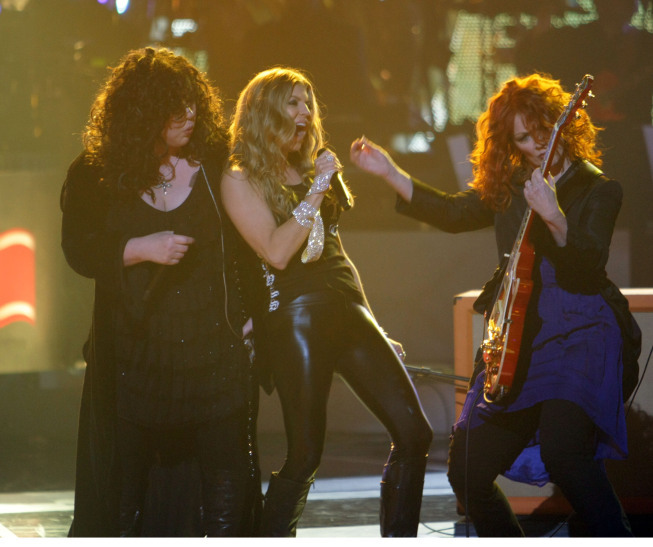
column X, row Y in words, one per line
column 550, row 152
column 527, row 220
column 522, row 234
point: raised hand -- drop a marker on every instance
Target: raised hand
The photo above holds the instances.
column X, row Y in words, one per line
column 371, row 158
column 375, row 160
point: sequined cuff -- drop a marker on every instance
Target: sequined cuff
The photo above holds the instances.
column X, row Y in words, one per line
column 305, row 214
column 315, row 244
column 321, row 183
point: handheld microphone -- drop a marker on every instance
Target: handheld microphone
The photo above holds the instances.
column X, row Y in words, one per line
column 345, row 199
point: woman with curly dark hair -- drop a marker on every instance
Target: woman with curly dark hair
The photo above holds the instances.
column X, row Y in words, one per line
column 168, row 392
column 564, row 412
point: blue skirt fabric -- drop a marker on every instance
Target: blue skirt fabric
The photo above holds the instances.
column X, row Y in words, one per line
column 577, row 356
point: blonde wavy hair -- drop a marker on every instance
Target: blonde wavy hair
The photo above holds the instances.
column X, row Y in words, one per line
column 496, row 160
column 261, row 130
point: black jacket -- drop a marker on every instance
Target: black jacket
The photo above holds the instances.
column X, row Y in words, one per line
column 591, row 203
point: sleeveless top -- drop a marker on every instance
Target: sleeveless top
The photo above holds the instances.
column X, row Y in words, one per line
column 329, row 272
column 178, row 361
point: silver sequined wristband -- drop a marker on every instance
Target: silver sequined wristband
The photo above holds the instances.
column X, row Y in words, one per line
column 321, row 183
column 304, row 214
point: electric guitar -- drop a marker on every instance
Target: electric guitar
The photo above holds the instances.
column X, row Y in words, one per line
column 505, row 322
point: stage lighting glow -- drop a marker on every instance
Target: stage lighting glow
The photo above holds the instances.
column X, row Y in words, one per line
column 180, row 27
column 18, row 5
column 439, row 110
column 122, row 6
column 17, row 278
column 159, row 28
column 413, row 143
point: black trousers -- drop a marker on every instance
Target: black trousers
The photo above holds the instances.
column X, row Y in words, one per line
column 323, row 333
column 568, row 441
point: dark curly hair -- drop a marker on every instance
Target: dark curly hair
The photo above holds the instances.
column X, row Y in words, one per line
column 124, row 131
column 496, row 160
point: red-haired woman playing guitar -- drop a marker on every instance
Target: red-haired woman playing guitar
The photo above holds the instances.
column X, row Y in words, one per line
column 564, row 412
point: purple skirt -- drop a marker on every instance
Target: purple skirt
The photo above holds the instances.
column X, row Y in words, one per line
column 577, row 357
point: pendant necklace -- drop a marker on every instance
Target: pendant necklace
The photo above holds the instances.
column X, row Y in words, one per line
column 165, row 184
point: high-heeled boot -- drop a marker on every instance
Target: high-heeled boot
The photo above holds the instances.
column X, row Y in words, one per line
column 228, row 504
column 401, row 496
column 283, row 506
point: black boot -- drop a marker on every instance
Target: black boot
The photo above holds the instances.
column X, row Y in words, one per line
column 401, row 496
column 283, row 506
column 228, row 502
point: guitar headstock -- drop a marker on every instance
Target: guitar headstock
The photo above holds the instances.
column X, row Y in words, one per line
column 583, row 91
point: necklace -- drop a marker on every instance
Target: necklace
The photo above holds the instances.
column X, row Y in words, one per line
column 165, row 183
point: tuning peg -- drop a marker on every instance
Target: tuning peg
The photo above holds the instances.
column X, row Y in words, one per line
column 590, row 94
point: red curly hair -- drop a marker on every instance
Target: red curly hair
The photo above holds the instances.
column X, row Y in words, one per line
column 497, row 162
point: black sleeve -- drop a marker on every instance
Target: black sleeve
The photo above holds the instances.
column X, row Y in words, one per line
column 583, row 259
column 460, row 212
column 90, row 248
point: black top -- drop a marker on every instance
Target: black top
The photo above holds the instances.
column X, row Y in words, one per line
column 177, row 362
column 329, row 272
column 93, row 241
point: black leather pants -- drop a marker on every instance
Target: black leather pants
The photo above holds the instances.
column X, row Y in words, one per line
column 320, row 334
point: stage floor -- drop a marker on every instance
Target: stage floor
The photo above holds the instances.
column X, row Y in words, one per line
column 336, row 507
column 37, row 480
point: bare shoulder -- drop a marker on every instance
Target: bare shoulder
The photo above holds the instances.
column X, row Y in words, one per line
column 234, row 180
column 234, row 174
column 235, row 171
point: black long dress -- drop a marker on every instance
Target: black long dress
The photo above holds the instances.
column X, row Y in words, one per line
column 163, row 349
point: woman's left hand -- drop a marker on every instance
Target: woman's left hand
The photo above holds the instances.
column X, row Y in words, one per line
column 326, row 164
column 540, row 194
column 327, row 161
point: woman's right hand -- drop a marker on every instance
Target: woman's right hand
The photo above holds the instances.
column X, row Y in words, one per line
column 375, row 160
column 165, row 248
column 371, row 158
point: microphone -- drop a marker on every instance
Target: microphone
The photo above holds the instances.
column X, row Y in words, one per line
column 345, row 199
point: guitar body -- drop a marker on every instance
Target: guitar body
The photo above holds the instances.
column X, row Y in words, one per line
column 505, row 323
